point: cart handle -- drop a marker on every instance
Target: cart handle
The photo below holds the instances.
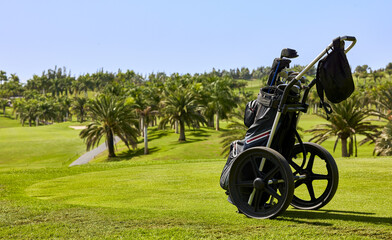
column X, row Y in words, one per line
column 353, row 41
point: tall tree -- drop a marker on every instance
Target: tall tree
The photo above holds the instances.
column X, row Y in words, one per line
column 346, row 122
column 3, row 104
column 3, row 76
column 145, row 109
column 382, row 98
column 85, row 83
column 79, row 107
column 180, row 105
column 221, row 100
column 383, row 146
column 111, row 117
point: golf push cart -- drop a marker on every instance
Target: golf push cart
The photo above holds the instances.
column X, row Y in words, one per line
column 268, row 170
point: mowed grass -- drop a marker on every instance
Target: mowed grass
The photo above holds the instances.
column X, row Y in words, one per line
column 164, row 199
column 7, row 121
column 172, row 193
column 44, row 146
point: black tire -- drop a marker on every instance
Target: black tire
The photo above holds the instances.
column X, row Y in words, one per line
column 273, row 186
column 322, row 177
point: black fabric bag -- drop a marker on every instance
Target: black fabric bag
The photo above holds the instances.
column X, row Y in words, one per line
column 236, row 148
column 334, row 75
column 250, row 113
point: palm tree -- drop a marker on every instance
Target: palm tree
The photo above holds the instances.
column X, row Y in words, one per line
column 346, row 122
column 64, row 106
column 383, row 145
column 55, row 86
column 3, row 77
column 79, row 107
column 383, row 100
column 68, row 84
column 218, row 98
column 46, row 110
column 29, row 111
column 181, row 105
column 85, row 83
column 111, row 116
column 3, row 104
column 222, row 99
column 43, row 82
column 145, row 109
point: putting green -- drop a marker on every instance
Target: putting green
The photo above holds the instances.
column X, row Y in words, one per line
column 168, row 187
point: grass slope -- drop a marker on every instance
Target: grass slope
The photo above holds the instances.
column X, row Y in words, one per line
column 172, row 199
column 45, row 146
column 172, row 193
column 7, row 122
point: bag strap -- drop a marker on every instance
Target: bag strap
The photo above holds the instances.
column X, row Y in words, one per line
column 320, row 91
column 336, row 43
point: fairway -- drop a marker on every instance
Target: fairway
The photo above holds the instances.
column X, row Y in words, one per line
column 186, row 200
column 172, row 193
column 46, row 146
column 155, row 188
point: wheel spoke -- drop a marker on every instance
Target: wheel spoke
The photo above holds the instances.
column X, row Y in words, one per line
column 295, row 166
column 309, row 167
column 263, row 160
column 298, row 183
column 271, row 173
column 255, row 168
column 256, row 202
column 320, row 177
column 245, row 184
column 309, row 185
column 273, row 193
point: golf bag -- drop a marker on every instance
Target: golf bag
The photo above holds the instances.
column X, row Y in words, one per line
column 259, row 131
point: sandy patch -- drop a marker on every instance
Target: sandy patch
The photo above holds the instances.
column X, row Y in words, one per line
column 78, row 127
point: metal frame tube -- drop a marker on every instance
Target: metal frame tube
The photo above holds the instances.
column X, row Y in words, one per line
column 312, row 63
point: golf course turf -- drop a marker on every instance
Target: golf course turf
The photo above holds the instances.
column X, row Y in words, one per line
column 172, row 193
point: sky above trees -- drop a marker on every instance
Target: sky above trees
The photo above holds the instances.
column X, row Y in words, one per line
column 184, row 36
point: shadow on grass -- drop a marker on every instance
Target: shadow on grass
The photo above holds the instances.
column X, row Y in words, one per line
column 200, row 133
column 8, row 116
column 156, row 134
column 300, row 216
column 128, row 155
column 196, row 135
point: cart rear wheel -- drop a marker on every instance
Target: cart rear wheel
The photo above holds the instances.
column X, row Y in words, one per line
column 320, row 174
column 261, row 183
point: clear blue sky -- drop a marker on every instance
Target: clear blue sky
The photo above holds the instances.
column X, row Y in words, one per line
column 184, row 36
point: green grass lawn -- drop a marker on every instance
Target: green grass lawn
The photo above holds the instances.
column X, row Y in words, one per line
column 7, row 121
column 172, row 193
column 254, row 86
column 165, row 199
column 44, row 146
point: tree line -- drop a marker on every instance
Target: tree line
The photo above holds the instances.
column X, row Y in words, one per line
column 178, row 101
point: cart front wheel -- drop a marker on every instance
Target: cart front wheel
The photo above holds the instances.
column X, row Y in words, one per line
column 261, row 183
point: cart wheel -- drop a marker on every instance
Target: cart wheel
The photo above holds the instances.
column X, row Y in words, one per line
column 261, row 183
column 316, row 179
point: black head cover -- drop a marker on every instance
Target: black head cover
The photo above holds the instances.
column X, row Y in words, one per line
column 288, row 53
